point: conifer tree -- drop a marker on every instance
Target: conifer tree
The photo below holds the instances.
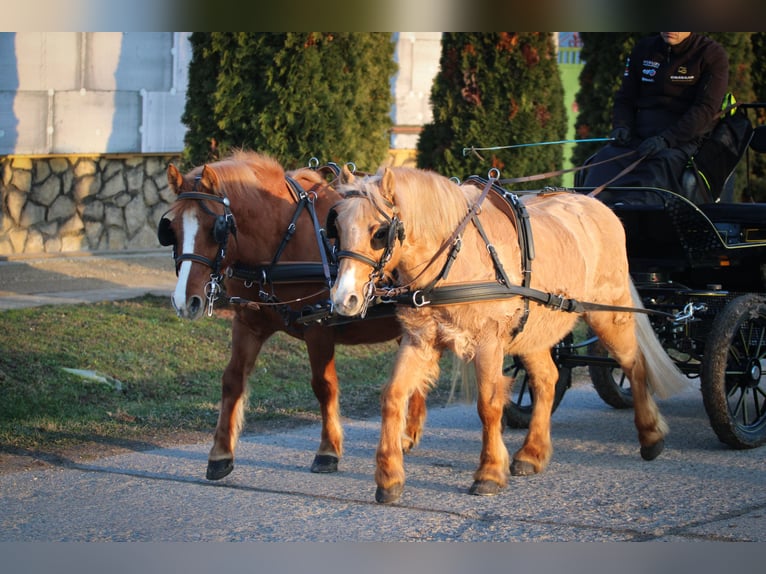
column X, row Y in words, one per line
column 291, row 95
column 203, row 133
column 495, row 89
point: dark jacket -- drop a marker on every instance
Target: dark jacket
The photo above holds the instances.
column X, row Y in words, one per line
column 673, row 91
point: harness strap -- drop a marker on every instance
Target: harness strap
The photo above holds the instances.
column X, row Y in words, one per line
column 303, row 198
column 298, row 272
column 454, row 241
column 198, row 258
column 453, row 294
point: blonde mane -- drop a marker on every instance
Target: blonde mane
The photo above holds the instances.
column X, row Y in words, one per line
column 430, row 205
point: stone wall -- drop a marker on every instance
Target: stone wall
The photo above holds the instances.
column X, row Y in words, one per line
column 60, row 204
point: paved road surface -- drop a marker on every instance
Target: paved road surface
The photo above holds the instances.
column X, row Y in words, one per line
column 81, row 278
column 596, row 488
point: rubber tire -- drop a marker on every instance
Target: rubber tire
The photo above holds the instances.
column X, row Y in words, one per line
column 723, row 381
column 517, row 413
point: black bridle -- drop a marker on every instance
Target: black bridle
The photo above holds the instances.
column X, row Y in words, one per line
column 384, row 239
column 223, row 227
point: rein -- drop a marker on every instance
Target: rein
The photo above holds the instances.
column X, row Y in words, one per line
column 486, row 291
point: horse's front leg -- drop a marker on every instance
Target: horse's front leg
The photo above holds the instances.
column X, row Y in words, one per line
column 536, row 451
column 246, row 344
column 320, row 343
column 492, row 474
column 415, row 368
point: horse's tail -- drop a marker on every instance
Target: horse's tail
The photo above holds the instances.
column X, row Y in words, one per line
column 663, row 376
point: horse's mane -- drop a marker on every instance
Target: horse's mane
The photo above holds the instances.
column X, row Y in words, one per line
column 246, row 172
column 430, row 205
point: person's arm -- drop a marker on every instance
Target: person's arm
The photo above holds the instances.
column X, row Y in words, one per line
column 624, row 110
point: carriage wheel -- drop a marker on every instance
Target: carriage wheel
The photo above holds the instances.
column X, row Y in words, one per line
column 518, row 412
column 733, row 377
column 610, row 383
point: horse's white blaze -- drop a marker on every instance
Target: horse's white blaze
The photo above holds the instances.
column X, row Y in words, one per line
column 190, row 228
column 347, row 293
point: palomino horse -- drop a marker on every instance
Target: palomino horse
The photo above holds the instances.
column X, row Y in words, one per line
column 460, row 267
column 245, row 213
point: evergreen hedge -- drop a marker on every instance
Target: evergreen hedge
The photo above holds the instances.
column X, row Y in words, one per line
column 495, row 89
column 291, row 95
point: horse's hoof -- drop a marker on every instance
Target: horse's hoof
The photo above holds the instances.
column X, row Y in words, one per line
column 324, row 463
column 485, row 488
column 652, row 451
column 217, row 469
column 390, row 494
column 522, row 468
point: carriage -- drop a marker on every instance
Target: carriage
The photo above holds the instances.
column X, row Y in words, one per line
column 698, row 270
column 702, row 267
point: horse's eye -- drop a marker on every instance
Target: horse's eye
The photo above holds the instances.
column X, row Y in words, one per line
column 379, row 238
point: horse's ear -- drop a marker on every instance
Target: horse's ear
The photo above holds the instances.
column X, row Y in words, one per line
column 387, row 185
column 209, row 179
column 175, row 179
column 346, row 176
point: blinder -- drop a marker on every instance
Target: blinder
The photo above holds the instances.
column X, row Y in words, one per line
column 383, row 238
column 224, row 224
column 165, row 234
column 386, row 235
column 330, row 227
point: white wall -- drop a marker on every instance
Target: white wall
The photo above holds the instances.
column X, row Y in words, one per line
column 92, row 92
column 114, row 92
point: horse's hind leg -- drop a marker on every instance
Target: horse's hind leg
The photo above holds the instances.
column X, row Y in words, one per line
column 324, row 382
column 416, row 418
column 246, row 344
column 536, row 451
column 618, row 334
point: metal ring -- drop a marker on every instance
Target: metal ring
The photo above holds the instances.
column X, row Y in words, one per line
column 313, row 162
column 423, row 301
column 492, row 171
column 351, row 166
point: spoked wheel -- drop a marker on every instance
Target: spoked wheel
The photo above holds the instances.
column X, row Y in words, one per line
column 733, row 377
column 518, row 412
column 610, row 383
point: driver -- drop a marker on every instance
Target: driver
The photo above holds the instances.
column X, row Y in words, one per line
column 669, row 100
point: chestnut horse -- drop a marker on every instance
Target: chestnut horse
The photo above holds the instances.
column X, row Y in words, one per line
column 459, row 265
column 245, row 214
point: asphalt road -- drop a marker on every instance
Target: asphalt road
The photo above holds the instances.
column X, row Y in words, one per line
column 84, row 277
column 597, row 488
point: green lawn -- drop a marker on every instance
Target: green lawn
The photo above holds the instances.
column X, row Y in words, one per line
column 157, row 376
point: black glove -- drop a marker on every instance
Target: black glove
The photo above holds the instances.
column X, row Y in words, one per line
column 621, row 136
column 652, row 145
